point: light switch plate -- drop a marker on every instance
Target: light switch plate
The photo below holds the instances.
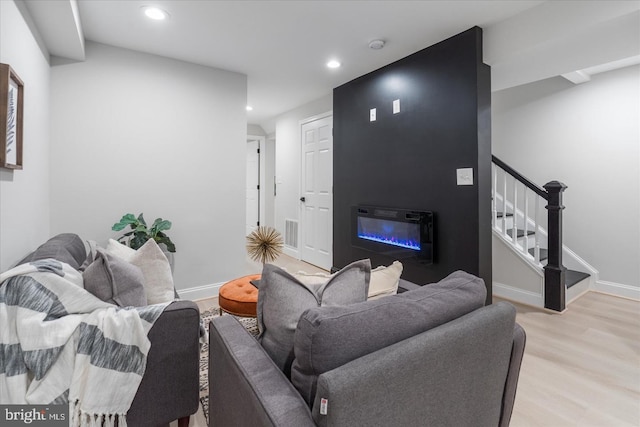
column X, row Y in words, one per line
column 465, row 176
column 372, row 115
column 396, row 106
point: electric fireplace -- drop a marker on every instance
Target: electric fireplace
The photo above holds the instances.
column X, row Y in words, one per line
column 399, row 233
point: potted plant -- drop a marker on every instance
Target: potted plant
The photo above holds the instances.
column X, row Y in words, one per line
column 140, row 233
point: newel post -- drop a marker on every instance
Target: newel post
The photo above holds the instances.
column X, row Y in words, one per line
column 554, row 271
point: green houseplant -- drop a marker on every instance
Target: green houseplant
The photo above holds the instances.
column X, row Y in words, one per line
column 140, row 233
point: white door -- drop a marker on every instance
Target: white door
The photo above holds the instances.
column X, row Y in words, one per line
column 253, row 186
column 316, row 217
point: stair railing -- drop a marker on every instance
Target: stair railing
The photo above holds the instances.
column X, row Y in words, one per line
column 509, row 203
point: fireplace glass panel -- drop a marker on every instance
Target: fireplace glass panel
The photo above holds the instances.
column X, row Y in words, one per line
column 401, row 234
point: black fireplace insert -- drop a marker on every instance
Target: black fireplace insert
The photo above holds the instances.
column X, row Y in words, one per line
column 398, row 233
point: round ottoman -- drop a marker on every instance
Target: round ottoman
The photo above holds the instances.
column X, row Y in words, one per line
column 239, row 297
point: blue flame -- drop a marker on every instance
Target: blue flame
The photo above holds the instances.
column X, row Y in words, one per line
column 391, row 241
column 395, row 233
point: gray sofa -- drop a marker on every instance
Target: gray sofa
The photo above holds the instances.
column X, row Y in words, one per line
column 169, row 387
column 429, row 356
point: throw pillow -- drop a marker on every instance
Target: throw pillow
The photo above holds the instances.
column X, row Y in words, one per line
column 118, row 249
column 115, row 281
column 283, row 298
column 329, row 337
column 158, row 280
column 384, row 280
column 65, row 247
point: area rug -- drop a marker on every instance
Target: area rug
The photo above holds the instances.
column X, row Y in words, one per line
column 249, row 324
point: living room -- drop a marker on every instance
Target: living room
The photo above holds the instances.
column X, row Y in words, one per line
column 128, row 130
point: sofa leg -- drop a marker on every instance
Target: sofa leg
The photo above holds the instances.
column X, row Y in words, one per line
column 183, row 422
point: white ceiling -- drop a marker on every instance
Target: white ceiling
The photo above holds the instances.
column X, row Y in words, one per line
column 282, row 46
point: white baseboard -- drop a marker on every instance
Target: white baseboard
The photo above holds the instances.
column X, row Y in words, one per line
column 518, row 295
column 617, row 289
column 200, row 292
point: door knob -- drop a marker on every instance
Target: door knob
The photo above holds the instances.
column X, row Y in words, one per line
column 303, row 199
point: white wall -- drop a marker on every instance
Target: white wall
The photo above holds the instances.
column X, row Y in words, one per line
column 24, row 194
column 586, row 136
column 270, row 175
column 134, row 132
column 255, row 130
column 287, row 125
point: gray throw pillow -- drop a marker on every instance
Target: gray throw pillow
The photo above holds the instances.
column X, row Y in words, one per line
column 329, row 337
column 115, row 281
column 283, row 298
column 65, row 247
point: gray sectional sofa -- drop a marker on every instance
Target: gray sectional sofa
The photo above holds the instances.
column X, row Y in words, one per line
column 169, row 387
column 431, row 356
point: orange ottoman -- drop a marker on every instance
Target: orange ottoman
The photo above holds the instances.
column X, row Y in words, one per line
column 239, row 297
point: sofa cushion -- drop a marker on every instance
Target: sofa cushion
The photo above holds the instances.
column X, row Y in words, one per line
column 329, row 337
column 65, row 247
column 115, row 281
column 158, row 280
column 283, row 298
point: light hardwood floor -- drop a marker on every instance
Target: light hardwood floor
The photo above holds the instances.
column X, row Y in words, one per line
column 580, row 368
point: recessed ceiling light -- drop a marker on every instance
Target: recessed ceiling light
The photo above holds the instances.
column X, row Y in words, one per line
column 333, row 64
column 249, row 108
column 155, row 13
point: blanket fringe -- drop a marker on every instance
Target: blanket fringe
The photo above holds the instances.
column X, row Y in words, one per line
column 80, row 418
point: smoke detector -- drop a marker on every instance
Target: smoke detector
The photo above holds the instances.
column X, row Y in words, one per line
column 376, row 44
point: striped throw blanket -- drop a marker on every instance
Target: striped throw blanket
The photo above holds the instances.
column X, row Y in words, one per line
column 60, row 344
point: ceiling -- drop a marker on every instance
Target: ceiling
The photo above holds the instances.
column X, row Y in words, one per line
column 283, row 46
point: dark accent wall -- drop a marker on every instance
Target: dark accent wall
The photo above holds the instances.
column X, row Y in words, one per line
column 409, row 160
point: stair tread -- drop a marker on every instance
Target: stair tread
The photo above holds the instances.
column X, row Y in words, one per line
column 520, row 232
column 544, row 253
column 573, row 277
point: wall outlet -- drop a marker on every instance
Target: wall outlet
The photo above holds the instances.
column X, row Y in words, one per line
column 372, row 115
column 465, row 176
column 396, row 106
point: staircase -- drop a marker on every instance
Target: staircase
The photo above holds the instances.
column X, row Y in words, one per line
column 534, row 240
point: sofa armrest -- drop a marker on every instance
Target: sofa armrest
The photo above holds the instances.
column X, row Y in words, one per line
column 517, row 352
column 246, row 388
column 169, row 387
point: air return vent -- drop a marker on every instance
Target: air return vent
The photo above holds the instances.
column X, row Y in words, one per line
column 291, row 233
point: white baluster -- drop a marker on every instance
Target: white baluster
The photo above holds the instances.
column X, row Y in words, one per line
column 504, row 205
column 536, row 250
column 514, row 234
column 526, row 222
column 494, row 204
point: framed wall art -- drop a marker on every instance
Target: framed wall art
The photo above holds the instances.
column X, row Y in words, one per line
column 11, row 118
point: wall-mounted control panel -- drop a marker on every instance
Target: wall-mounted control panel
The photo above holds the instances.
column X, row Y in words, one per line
column 465, row 176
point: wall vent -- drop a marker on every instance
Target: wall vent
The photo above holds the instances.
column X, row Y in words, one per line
column 291, row 233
